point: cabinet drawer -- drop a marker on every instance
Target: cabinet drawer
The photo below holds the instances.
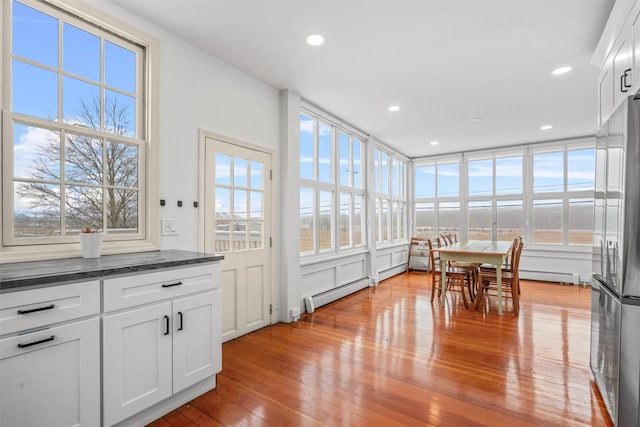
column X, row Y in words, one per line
column 130, row 291
column 24, row 310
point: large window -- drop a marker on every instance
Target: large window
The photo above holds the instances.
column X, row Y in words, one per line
column 563, row 184
column 495, row 195
column 437, row 198
column 331, row 187
column 74, row 130
column 390, row 196
column 542, row 192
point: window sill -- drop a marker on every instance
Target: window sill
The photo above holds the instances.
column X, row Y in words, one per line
column 10, row 254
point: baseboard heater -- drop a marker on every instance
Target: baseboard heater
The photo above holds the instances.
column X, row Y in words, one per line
column 315, row 301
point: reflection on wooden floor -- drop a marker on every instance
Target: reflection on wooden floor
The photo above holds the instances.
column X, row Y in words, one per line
column 387, row 356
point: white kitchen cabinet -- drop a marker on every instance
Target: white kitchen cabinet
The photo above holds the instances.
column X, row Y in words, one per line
column 623, row 66
column 618, row 57
column 197, row 352
column 50, row 356
column 155, row 350
column 136, row 361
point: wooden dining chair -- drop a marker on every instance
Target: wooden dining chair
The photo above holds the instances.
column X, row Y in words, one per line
column 457, row 279
column 488, row 285
column 491, row 269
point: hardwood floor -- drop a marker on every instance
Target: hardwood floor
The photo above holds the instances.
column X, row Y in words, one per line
column 387, row 356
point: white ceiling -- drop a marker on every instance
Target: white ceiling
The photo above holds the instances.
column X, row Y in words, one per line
column 444, row 62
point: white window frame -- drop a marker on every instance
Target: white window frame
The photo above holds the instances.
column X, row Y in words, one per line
column 334, row 187
column 147, row 237
column 528, row 196
column 393, row 201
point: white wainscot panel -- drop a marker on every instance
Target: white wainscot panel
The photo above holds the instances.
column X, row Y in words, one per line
column 383, row 261
column 352, row 271
column 318, row 281
column 556, row 266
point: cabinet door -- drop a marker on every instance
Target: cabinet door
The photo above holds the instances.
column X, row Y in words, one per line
column 51, row 377
column 197, row 341
column 622, row 63
column 136, row 360
column 606, row 91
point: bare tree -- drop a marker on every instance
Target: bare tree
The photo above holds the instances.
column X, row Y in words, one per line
column 99, row 176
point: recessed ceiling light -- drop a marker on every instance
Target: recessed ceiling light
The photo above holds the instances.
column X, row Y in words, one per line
column 434, row 143
column 315, row 39
column 546, row 127
column 561, row 70
column 476, row 119
column 394, row 108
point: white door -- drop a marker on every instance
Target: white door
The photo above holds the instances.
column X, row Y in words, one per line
column 238, row 226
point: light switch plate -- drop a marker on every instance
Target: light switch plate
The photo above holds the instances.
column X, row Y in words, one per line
column 169, row 227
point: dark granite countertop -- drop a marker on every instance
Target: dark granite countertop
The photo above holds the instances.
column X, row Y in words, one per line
column 18, row 275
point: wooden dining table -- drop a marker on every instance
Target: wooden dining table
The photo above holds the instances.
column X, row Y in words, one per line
column 475, row 251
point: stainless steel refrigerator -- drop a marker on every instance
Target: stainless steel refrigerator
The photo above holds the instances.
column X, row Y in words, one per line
column 615, row 312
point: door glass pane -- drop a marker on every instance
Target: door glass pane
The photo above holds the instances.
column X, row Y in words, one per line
column 307, row 223
column 307, row 152
column 223, row 236
column 324, row 152
column 257, row 173
column 509, row 175
column 345, row 220
column 239, row 235
column 223, row 169
column 547, row 221
column 325, row 220
column 255, row 235
column 223, row 203
column 36, row 217
column 240, row 172
column 239, row 204
column 510, row 219
column 480, row 178
column 580, row 221
column 480, row 220
column 548, row 172
column 255, row 204
column 448, row 180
